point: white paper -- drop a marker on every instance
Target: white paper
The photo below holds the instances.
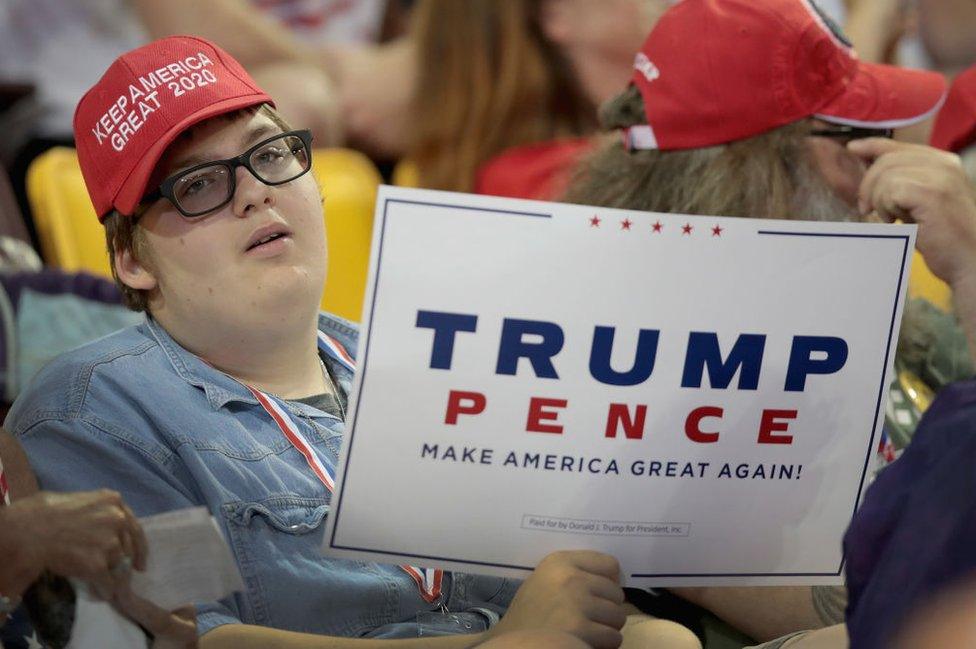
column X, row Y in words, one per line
column 189, row 560
column 737, row 510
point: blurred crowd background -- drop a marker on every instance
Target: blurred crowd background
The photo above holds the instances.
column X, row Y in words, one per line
column 445, row 84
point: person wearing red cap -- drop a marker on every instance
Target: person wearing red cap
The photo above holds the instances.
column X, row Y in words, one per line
column 232, row 393
column 763, row 110
column 955, row 125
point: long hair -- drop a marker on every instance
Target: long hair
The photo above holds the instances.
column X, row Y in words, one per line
column 761, row 177
column 488, row 79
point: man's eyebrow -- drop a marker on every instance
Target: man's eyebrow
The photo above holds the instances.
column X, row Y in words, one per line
column 256, row 134
column 250, row 137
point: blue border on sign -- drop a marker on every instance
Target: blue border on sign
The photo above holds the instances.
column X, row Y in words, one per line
column 871, row 445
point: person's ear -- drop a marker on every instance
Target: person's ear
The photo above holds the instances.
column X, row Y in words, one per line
column 132, row 272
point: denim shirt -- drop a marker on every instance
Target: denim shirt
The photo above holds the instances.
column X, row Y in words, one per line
column 137, row 413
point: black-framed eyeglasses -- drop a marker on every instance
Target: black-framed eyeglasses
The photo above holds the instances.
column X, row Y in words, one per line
column 848, row 133
column 206, row 187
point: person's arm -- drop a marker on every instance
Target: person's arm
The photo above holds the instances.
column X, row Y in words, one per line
column 516, row 640
column 832, row 637
column 250, row 36
column 764, row 613
column 964, row 304
column 301, row 78
column 80, row 535
column 376, row 85
column 73, row 532
column 875, row 27
column 170, row 629
column 19, row 567
column 68, row 534
column 244, row 636
column 84, row 535
column 945, row 28
column 569, row 592
column 20, row 476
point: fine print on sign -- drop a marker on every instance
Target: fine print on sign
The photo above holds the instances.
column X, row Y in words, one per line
column 698, row 396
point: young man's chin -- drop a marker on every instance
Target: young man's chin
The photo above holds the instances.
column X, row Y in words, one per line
column 289, row 285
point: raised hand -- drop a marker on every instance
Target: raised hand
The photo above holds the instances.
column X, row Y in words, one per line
column 919, row 184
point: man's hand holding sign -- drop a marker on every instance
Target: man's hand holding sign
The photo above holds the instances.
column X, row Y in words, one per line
column 575, row 592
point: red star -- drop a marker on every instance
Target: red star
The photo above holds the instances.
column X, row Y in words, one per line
column 657, row 226
column 595, row 222
column 686, row 228
column 625, row 224
column 717, row 231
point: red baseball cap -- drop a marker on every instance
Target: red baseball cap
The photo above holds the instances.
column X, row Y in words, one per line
column 955, row 126
column 141, row 104
column 715, row 71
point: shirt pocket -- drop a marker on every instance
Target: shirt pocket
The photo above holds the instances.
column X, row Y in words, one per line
column 289, row 584
column 473, row 592
column 432, row 624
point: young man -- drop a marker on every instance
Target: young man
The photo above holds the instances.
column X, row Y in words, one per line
column 232, row 394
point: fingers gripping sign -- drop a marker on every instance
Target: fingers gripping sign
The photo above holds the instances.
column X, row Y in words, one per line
column 576, row 592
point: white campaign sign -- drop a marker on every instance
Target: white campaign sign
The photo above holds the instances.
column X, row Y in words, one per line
column 698, row 396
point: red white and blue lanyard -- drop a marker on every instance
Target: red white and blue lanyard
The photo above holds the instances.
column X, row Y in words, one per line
column 428, row 580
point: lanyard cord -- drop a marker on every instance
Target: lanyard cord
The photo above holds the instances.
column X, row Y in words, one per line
column 428, row 580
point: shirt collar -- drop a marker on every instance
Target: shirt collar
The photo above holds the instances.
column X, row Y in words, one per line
column 220, row 388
